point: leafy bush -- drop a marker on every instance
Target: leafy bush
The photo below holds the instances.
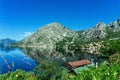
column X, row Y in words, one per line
column 18, row 75
column 49, row 70
column 111, row 47
column 115, row 58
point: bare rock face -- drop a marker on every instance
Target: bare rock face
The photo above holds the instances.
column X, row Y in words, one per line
column 47, row 37
column 98, row 32
column 115, row 25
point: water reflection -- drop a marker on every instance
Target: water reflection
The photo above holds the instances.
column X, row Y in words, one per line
column 10, row 56
column 7, row 48
column 60, row 57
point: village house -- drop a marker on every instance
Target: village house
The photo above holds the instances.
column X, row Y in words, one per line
column 77, row 66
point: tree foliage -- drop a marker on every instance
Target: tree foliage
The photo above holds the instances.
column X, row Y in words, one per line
column 49, row 70
column 111, row 47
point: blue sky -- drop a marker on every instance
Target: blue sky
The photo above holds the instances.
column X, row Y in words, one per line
column 20, row 17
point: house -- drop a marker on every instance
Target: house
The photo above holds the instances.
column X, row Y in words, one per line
column 77, row 66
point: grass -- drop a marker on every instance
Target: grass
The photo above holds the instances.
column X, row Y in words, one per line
column 103, row 72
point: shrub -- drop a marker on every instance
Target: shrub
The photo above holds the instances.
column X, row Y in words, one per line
column 49, row 70
column 111, row 47
column 115, row 58
column 18, row 75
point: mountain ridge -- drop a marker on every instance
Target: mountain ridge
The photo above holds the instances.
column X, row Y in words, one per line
column 47, row 36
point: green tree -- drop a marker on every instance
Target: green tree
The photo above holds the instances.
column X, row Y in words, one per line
column 49, row 70
column 111, row 47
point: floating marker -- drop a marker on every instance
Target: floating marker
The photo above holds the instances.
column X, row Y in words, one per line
column 20, row 59
column 6, row 62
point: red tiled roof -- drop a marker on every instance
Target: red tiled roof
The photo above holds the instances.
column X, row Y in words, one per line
column 78, row 63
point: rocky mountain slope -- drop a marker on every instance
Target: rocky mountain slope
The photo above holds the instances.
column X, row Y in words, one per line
column 115, row 26
column 102, row 31
column 97, row 32
column 47, row 36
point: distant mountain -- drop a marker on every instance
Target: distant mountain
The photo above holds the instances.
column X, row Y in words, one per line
column 6, row 42
column 47, row 36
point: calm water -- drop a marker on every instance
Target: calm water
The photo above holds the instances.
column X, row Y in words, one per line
column 14, row 58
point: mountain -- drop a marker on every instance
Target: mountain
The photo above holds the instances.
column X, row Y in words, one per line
column 54, row 34
column 6, row 42
column 115, row 26
column 47, row 37
column 102, row 31
column 97, row 32
column 113, row 30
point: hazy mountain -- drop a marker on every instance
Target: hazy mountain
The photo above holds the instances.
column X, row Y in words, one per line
column 6, row 42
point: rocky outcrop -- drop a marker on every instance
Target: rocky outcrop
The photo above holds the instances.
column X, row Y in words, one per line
column 115, row 26
column 98, row 32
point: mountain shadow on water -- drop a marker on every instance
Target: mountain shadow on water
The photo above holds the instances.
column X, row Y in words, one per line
column 60, row 57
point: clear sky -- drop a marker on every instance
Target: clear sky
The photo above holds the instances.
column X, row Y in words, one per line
column 21, row 17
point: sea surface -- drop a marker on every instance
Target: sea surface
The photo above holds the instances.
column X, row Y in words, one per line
column 14, row 58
